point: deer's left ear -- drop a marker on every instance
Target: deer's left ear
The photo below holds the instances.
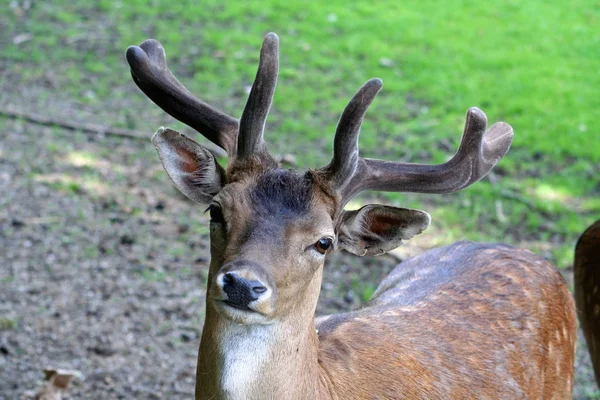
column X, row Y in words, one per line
column 376, row 229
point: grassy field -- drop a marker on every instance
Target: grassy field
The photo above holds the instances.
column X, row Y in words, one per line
column 532, row 64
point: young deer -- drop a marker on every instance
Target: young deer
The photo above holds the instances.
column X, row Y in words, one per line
column 461, row 322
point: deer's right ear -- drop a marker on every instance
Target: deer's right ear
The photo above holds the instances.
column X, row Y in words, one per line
column 191, row 166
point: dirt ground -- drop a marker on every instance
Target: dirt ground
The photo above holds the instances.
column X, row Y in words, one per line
column 103, row 268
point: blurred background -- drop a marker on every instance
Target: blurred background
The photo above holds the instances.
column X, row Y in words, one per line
column 103, row 264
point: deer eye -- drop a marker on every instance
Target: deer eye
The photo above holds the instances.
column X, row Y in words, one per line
column 323, row 245
column 216, row 215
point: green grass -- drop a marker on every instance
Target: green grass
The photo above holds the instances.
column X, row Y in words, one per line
column 533, row 64
column 151, row 275
column 7, row 324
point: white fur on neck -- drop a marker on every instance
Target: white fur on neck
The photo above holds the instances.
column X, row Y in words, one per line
column 243, row 352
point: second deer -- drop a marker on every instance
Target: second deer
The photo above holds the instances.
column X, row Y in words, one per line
column 466, row 321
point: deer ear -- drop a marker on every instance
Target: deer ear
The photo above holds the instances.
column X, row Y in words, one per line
column 377, row 229
column 191, row 166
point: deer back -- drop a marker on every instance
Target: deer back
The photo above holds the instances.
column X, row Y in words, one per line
column 464, row 321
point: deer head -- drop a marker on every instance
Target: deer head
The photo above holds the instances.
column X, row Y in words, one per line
column 271, row 228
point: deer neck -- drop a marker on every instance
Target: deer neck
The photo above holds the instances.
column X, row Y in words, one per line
column 273, row 361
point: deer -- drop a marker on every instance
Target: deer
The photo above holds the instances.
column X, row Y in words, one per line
column 586, row 277
column 469, row 320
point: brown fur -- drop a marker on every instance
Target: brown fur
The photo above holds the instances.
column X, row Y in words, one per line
column 465, row 321
column 587, row 290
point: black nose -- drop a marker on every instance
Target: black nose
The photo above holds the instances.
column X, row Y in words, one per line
column 241, row 291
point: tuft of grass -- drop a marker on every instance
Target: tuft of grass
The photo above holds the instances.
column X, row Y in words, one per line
column 563, row 255
column 151, row 275
column 363, row 289
column 7, row 324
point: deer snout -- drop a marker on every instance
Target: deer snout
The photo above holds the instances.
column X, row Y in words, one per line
column 241, row 291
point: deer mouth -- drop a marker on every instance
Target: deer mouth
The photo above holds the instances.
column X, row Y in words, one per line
column 237, row 306
column 240, row 313
column 233, row 309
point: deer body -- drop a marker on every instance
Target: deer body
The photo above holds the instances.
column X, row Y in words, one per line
column 446, row 324
column 464, row 321
column 460, row 322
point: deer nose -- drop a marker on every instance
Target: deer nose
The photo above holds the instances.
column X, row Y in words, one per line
column 241, row 291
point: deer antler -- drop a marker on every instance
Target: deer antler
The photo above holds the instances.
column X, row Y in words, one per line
column 345, row 159
column 252, row 123
column 479, row 152
column 149, row 70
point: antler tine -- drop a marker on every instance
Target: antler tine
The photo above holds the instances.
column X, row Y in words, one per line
column 149, row 70
column 479, row 152
column 252, row 123
column 345, row 144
